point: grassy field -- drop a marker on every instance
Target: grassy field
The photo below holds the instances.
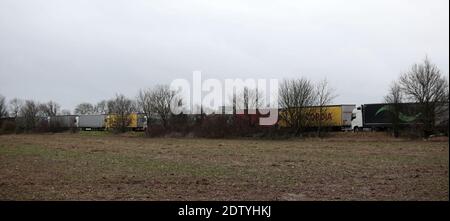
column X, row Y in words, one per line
column 97, row 166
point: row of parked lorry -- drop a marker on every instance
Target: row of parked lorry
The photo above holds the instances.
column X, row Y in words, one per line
column 136, row 121
column 336, row 117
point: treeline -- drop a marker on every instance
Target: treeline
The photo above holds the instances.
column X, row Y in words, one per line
column 27, row 115
column 423, row 84
column 155, row 103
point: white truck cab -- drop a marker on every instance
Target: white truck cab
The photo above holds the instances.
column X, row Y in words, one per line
column 357, row 119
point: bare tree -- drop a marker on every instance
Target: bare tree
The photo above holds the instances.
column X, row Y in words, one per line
column 246, row 102
column 3, row 107
column 324, row 95
column 161, row 98
column 394, row 98
column 14, row 106
column 29, row 113
column 294, row 96
column 425, row 85
column 144, row 102
column 101, row 107
column 84, row 108
column 49, row 109
column 121, row 107
column 248, row 99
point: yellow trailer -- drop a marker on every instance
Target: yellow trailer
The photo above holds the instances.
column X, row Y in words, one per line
column 132, row 119
column 335, row 116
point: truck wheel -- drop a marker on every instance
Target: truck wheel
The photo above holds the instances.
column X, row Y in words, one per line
column 355, row 129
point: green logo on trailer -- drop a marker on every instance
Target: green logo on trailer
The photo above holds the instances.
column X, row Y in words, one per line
column 403, row 117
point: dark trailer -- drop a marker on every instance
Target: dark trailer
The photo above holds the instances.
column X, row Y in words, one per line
column 383, row 115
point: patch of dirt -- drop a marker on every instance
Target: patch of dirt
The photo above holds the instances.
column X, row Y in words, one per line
column 80, row 167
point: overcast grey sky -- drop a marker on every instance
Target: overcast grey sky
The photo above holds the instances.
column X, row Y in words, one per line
column 87, row 50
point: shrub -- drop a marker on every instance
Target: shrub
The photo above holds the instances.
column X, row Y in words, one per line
column 7, row 127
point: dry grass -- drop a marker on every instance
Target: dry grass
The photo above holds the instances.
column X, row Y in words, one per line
column 107, row 167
